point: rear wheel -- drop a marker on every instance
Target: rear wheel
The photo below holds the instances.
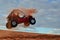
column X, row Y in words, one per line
column 27, row 24
column 8, row 25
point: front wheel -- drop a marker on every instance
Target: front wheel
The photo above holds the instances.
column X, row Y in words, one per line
column 32, row 21
column 13, row 23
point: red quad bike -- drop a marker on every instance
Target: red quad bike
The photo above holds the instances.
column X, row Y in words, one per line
column 14, row 20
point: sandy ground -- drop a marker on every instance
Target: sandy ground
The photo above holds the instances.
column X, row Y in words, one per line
column 12, row 35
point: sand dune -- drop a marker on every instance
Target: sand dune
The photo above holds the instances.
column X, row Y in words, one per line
column 12, row 35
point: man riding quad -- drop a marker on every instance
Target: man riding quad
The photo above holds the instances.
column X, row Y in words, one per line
column 20, row 16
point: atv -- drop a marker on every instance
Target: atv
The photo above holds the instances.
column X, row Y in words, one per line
column 16, row 18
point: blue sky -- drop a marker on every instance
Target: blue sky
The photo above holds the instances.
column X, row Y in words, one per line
column 47, row 17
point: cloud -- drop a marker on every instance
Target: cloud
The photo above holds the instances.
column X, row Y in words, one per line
column 47, row 15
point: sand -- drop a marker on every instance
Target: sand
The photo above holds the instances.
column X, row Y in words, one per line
column 12, row 35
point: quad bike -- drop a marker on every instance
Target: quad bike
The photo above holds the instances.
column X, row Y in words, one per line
column 13, row 20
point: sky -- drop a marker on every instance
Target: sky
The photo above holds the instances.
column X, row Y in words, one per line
column 47, row 16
